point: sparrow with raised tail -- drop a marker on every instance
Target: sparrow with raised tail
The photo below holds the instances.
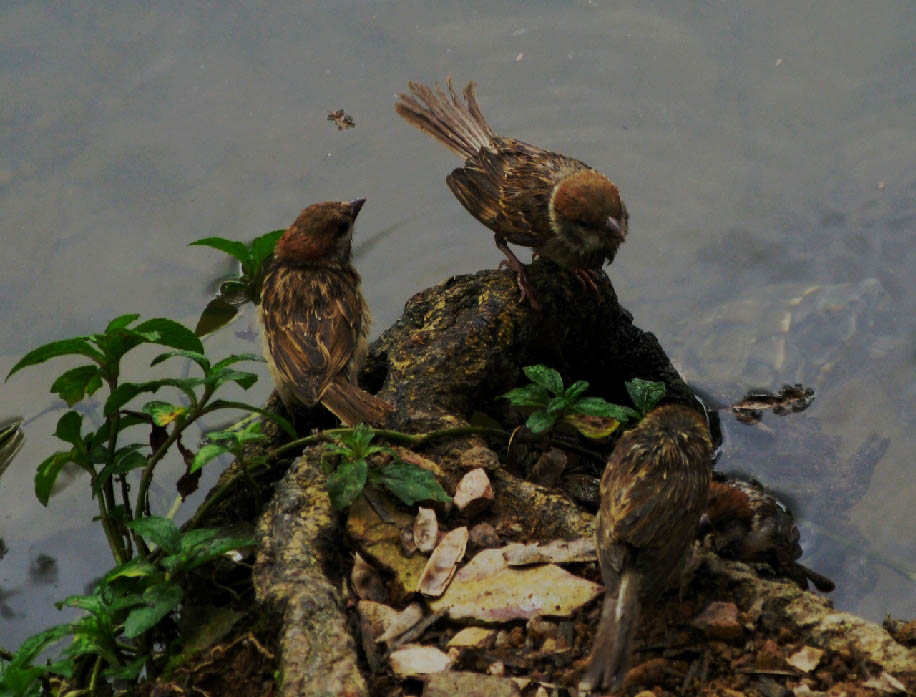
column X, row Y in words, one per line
column 315, row 318
column 560, row 207
column 653, row 492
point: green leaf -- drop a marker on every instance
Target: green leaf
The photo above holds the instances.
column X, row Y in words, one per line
column 206, row 453
column 36, row 643
column 126, row 672
column 161, row 600
column 47, row 472
column 595, row 406
column 556, row 405
column 171, row 333
column 217, row 314
column 220, row 377
column 195, row 356
column 120, row 322
column 237, row 249
column 69, row 430
column 159, row 531
column 412, row 484
column 163, row 413
column 541, row 421
column 135, row 568
column 207, row 550
column 128, row 390
column 263, row 246
column 120, row 465
column 66, row 347
column 346, row 483
column 237, row 357
column 528, row 396
column 576, row 389
column 545, row 377
column 276, row 418
column 645, row 394
column 77, row 383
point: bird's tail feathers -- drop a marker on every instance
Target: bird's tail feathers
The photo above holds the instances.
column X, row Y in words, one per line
column 459, row 126
column 353, row 405
column 610, row 657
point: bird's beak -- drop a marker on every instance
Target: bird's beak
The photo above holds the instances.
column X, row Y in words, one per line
column 356, row 204
column 612, row 225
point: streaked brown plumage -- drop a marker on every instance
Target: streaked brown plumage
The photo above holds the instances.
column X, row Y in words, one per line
column 653, row 493
column 315, row 318
column 562, row 208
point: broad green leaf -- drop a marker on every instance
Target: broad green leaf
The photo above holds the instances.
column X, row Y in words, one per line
column 412, row 484
column 171, row 333
column 235, row 358
column 69, row 430
column 195, row 356
column 645, row 394
column 36, row 643
column 161, row 600
column 556, row 405
column 263, row 246
column 196, row 537
column 120, row 322
column 545, row 377
column 206, row 453
column 66, row 347
column 540, row 421
column 163, row 413
column 217, row 314
column 47, row 472
column 135, row 568
column 346, row 483
column 276, row 418
column 77, row 383
column 528, row 396
column 126, row 672
column 237, row 249
column 89, row 603
column 120, row 465
column 159, row 531
column 576, row 389
column 207, row 551
column 220, row 377
column 128, row 390
column 595, row 406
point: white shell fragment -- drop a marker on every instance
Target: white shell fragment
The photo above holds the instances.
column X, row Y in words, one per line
column 474, row 491
column 805, row 659
column 418, row 660
column 442, row 562
column 425, row 530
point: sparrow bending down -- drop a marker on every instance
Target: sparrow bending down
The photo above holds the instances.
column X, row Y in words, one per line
column 653, row 492
column 315, row 318
column 560, row 207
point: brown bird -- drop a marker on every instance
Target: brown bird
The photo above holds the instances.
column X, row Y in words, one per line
column 653, row 493
column 315, row 318
column 560, row 207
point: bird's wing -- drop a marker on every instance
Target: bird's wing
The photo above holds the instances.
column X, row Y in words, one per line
column 312, row 320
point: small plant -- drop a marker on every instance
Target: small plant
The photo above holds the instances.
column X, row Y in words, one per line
column 254, row 259
column 354, row 471
column 593, row 417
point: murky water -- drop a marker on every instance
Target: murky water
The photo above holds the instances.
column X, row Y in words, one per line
column 761, row 150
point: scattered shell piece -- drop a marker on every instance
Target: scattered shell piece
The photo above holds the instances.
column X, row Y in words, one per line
column 402, row 621
column 474, row 493
column 496, row 668
column 442, row 562
column 425, row 530
column 473, row 637
column 418, row 660
column 367, row 584
column 806, row 658
column 486, row 589
column 468, row 684
column 557, row 551
column 885, row 683
column 719, row 621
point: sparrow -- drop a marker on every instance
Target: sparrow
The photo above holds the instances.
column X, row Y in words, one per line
column 315, row 319
column 558, row 206
column 653, row 492
column 743, row 521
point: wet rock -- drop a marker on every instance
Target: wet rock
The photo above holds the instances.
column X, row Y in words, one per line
column 483, row 536
column 769, row 656
column 473, row 637
column 467, row 684
column 479, row 456
column 367, row 584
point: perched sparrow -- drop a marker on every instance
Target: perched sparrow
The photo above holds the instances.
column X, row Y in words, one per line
column 653, row 493
column 746, row 523
column 560, row 207
column 315, row 317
